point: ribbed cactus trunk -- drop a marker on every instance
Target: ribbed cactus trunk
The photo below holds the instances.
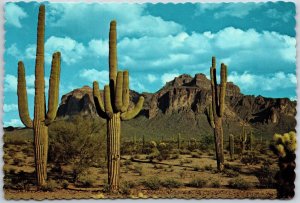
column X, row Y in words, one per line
column 216, row 110
column 113, row 147
column 41, row 118
column 114, row 109
column 178, row 141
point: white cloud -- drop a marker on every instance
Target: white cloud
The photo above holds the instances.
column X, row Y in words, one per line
column 98, row 47
column 11, row 83
column 151, row 78
column 14, row 51
column 92, row 75
column 10, row 107
column 13, row 14
column 135, row 21
column 13, row 122
column 238, row 10
column 166, row 77
column 273, row 82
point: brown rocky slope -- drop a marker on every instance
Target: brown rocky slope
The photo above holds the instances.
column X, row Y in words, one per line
column 180, row 107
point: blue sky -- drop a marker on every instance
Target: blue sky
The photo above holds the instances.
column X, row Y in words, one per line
column 156, row 42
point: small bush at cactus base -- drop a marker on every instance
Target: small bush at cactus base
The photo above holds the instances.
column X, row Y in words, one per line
column 50, row 186
column 171, row 183
column 152, row 183
column 198, row 183
column 239, row 183
column 215, row 183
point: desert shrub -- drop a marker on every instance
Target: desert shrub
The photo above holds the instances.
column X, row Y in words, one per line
column 206, row 142
column 64, row 184
column 195, row 155
column 78, row 141
column 181, row 174
column 126, row 186
column 139, row 170
column 171, row 183
column 266, row 176
column 174, row 156
column 152, row 183
column 185, row 161
column 230, row 173
column 127, row 162
column 198, row 183
column 197, row 168
column 50, row 186
column 158, row 166
column 215, row 183
column 85, row 179
column 184, row 151
column 239, row 183
column 250, row 158
column 208, row 167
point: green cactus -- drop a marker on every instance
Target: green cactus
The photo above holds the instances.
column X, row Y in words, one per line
column 115, row 108
column 251, row 141
column 243, row 141
column 216, row 110
column 231, row 146
column 179, row 141
column 41, row 118
column 284, row 146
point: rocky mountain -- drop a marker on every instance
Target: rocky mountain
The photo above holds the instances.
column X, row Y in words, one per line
column 181, row 105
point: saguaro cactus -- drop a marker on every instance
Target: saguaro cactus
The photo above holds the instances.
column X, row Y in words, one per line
column 284, row 146
column 115, row 108
column 41, row 118
column 216, row 109
column 243, row 140
column 251, row 141
column 179, row 141
column 231, row 146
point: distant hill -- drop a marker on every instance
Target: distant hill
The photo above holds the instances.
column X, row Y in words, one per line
column 180, row 107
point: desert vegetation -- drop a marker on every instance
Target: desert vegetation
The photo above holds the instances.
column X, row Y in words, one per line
column 87, row 156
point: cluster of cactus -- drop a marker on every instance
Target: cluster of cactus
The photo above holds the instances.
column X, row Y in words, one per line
column 216, row 110
column 115, row 108
column 41, row 118
column 284, row 146
column 231, row 146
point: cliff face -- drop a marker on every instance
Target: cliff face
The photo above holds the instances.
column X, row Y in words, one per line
column 187, row 96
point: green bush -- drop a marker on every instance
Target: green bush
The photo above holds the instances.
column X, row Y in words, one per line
column 171, row 183
column 126, row 186
column 230, row 173
column 152, row 183
column 198, row 183
column 239, row 183
column 215, row 184
column 50, row 186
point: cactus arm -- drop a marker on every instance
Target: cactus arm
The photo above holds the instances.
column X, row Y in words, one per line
column 98, row 100
column 113, row 53
column 211, row 116
column 119, row 91
column 214, row 88
column 22, row 97
column 125, row 91
column 223, row 88
column 53, row 88
column 107, row 101
column 132, row 113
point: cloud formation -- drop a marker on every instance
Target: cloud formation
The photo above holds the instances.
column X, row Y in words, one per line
column 10, row 107
column 14, row 14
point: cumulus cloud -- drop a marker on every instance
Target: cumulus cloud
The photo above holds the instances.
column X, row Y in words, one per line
column 135, row 21
column 92, row 75
column 13, row 14
column 11, row 82
column 166, row 77
column 238, row 10
column 10, row 107
column 98, row 47
column 249, row 82
column 151, row 78
column 13, row 122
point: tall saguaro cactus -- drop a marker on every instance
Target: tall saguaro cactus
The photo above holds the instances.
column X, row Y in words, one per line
column 216, row 109
column 41, row 118
column 243, row 141
column 115, row 108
